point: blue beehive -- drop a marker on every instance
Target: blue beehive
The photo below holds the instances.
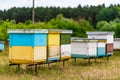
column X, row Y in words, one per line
column 1, row 45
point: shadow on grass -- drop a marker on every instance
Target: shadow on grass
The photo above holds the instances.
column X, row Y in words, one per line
column 54, row 68
column 86, row 63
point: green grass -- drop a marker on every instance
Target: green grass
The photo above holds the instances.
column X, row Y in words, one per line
column 80, row 70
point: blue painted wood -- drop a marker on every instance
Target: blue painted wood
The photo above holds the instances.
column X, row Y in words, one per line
column 79, row 56
column 21, row 39
column 101, row 51
column 1, row 46
column 40, row 39
column 55, row 59
column 28, row 39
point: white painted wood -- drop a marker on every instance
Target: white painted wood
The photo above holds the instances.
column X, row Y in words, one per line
column 53, row 51
column 117, row 43
column 40, row 52
column 109, row 38
column 66, row 50
column 101, row 35
column 27, row 30
column 92, row 48
column 97, row 36
column 79, row 47
column 101, row 44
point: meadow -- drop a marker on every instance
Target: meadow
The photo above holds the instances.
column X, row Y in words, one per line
column 79, row 70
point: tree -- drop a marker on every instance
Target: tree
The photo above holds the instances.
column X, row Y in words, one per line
column 110, row 26
column 102, row 25
column 107, row 14
column 79, row 27
column 117, row 32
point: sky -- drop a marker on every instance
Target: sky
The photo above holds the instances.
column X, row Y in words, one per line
column 7, row 4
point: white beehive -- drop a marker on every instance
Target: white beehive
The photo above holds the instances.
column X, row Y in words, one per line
column 101, row 35
column 84, row 48
column 104, row 35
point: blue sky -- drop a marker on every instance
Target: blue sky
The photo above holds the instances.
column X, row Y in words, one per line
column 6, row 4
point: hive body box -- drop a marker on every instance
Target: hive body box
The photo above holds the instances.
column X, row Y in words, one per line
column 66, row 44
column 54, row 45
column 117, row 43
column 101, row 48
column 27, row 46
column 1, row 45
column 104, row 35
column 59, row 47
column 87, row 48
column 38, row 45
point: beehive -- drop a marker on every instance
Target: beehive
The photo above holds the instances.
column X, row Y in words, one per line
column 27, row 46
column 38, row 45
column 59, row 47
column 104, row 35
column 117, row 43
column 1, row 45
column 66, row 44
column 84, row 48
column 54, row 45
column 87, row 48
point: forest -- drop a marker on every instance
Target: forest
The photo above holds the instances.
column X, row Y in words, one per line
column 79, row 19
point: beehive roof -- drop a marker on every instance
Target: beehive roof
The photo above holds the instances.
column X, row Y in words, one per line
column 38, row 31
column 100, row 33
column 27, row 31
column 87, row 39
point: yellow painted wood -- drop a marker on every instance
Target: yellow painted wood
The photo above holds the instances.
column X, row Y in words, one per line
column 101, row 40
column 40, row 53
column 53, row 39
column 65, row 58
column 53, row 51
column 55, row 32
column 39, row 61
column 16, row 61
column 21, row 54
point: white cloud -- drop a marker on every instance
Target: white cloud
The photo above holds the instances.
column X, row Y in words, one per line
column 6, row 4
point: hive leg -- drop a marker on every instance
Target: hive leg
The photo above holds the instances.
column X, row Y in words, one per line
column 35, row 69
column 48, row 65
column 107, row 58
column 88, row 60
column 95, row 59
column 75, row 59
column 18, row 67
column 63, row 63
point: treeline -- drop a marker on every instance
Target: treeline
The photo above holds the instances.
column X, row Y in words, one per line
column 79, row 27
column 93, row 14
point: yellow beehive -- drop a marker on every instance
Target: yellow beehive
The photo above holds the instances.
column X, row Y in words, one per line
column 54, row 45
